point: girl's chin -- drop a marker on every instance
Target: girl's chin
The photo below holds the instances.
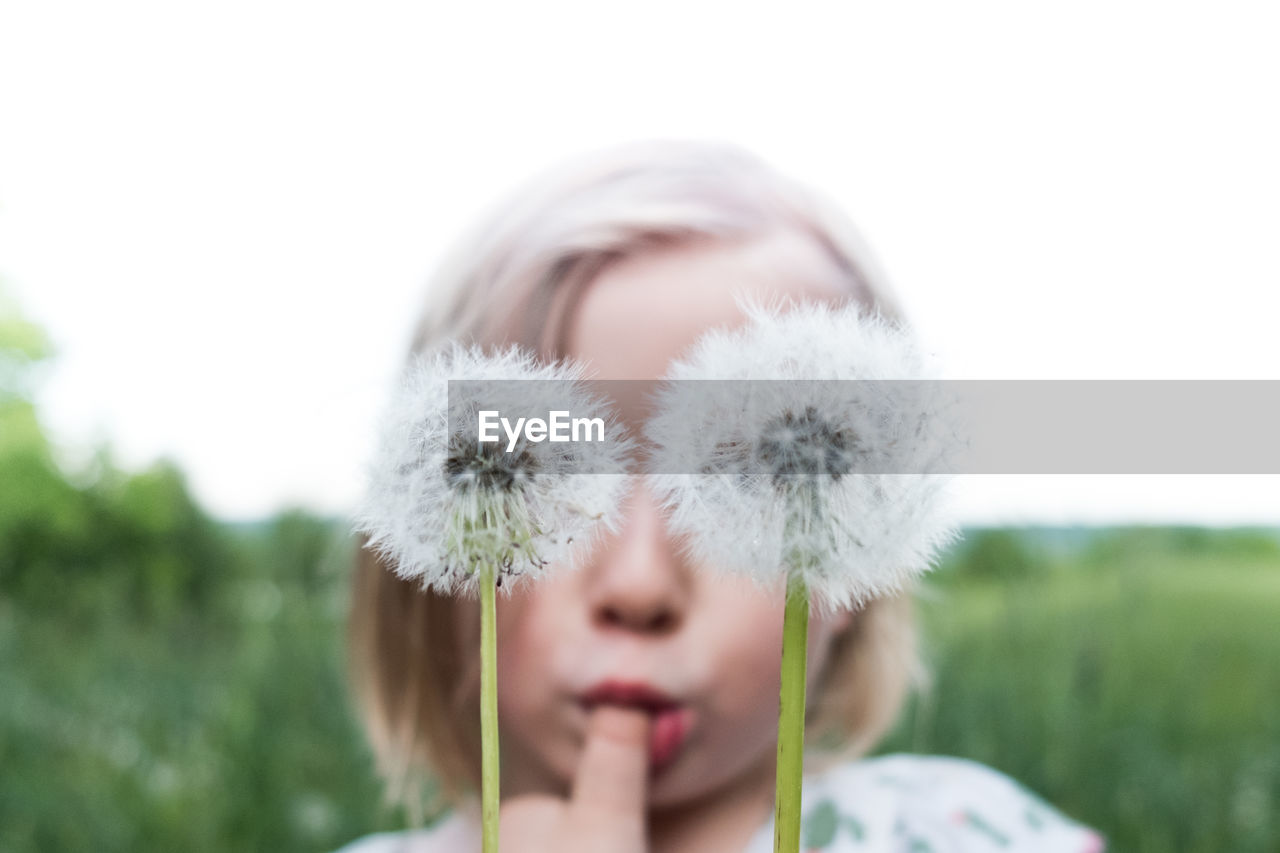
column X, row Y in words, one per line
column 689, row 779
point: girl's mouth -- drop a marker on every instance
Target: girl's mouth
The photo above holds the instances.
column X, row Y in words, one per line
column 669, row 720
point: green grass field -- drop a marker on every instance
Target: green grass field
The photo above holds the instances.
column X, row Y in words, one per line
column 1134, row 685
column 1132, row 678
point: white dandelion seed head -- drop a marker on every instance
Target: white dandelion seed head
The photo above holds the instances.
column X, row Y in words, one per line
column 762, row 477
column 439, row 503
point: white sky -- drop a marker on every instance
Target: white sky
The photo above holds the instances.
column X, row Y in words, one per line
column 224, row 213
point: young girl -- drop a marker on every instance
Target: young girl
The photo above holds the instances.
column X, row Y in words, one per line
column 638, row 694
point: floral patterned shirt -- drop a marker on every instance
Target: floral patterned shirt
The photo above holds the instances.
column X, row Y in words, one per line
column 890, row 804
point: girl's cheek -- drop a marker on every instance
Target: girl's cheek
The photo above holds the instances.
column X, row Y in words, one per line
column 520, row 647
column 537, row 644
column 751, row 652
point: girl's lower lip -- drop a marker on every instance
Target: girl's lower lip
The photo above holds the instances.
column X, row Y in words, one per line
column 667, row 733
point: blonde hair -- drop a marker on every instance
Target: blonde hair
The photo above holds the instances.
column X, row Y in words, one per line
column 415, row 682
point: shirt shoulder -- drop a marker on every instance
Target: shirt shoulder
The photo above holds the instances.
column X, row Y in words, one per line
column 929, row 804
column 453, row 834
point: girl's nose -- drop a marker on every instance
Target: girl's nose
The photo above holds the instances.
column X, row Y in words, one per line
column 638, row 581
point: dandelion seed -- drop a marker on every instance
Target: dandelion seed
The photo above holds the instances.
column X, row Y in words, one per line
column 794, row 477
column 440, row 503
column 817, row 440
column 462, row 514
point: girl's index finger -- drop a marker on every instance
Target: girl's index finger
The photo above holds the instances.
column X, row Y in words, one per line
column 613, row 773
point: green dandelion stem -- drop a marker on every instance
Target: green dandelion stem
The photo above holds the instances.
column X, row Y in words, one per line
column 790, row 768
column 488, row 708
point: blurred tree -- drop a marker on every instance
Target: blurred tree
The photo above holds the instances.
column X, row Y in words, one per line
column 1123, row 544
column 302, row 545
column 164, row 548
column 39, row 510
column 24, row 348
column 140, row 536
column 998, row 553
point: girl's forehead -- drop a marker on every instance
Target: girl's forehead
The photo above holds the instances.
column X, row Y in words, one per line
column 645, row 310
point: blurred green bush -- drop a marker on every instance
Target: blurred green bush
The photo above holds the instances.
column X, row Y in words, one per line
column 167, row 681
column 996, row 554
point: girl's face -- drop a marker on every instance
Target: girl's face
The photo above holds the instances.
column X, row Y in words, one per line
column 637, row 624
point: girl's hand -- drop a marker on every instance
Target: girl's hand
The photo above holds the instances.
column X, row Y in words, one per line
column 605, row 811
